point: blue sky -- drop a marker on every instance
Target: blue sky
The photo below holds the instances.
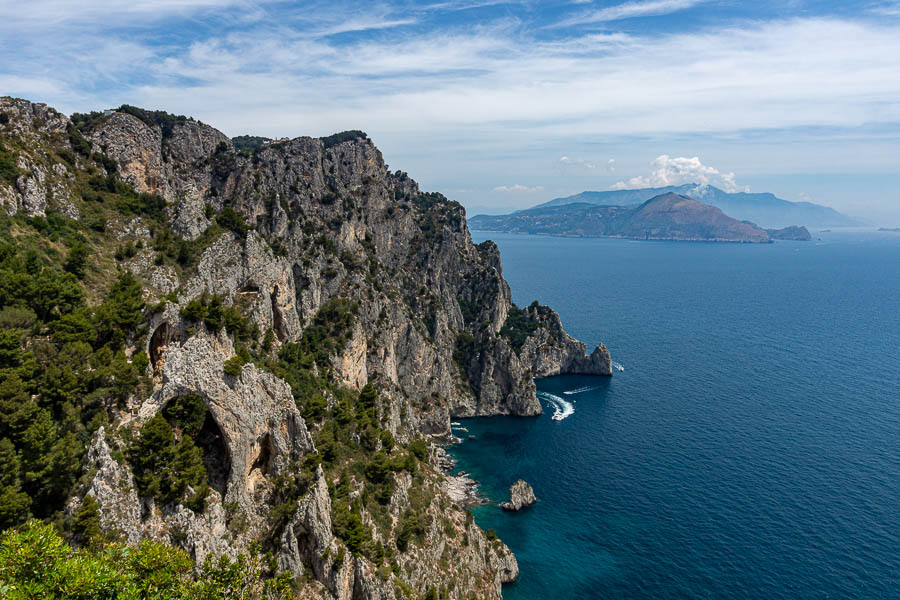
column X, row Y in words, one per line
column 502, row 105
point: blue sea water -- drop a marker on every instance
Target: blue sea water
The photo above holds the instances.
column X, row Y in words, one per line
column 751, row 446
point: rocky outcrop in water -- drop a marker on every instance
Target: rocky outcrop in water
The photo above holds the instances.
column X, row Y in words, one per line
column 520, row 496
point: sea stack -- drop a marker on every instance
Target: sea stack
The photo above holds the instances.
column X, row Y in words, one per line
column 520, row 496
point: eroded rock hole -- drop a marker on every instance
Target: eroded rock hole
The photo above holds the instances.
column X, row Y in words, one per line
column 277, row 316
column 189, row 416
column 263, row 461
column 215, row 454
column 249, row 288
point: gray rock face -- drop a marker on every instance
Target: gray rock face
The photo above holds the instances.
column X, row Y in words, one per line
column 43, row 182
column 552, row 351
column 520, row 496
column 173, row 165
column 122, row 512
column 405, row 258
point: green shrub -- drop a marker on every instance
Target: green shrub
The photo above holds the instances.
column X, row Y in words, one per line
column 518, row 327
column 165, row 121
column 464, row 349
column 76, row 262
column 9, row 170
column 249, row 143
column 35, row 562
column 419, row 448
column 186, row 413
column 234, row 366
column 78, row 142
column 314, row 409
column 232, row 220
column 344, row 136
column 411, row 526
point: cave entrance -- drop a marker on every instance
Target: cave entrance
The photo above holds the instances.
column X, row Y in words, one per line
column 162, row 338
column 158, row 342
column 277, row 317
column 263, row 461
column 189, row 416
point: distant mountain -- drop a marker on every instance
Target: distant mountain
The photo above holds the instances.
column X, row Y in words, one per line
column 765, row 209
column 666, row 216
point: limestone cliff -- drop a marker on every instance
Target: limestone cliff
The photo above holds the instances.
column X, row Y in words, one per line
column 281, row 234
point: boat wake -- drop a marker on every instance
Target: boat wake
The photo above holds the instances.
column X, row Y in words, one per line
column 618, row 366
column 581, row 390
column 561, row 408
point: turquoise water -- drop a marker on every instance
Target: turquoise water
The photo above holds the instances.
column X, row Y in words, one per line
column 751, row 446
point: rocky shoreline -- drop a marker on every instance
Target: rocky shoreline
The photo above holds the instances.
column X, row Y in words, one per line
column 460, row 487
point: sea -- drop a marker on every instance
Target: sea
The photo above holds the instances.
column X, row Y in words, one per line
column 749, row 447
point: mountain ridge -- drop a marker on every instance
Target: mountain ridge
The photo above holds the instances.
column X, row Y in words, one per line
column 667, row 216
column 764, row 209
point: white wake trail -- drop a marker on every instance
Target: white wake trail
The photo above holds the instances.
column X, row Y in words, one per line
column 561, row 408
column 581, row 390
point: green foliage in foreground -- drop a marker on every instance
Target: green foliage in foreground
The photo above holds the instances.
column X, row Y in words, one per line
column 35, row 562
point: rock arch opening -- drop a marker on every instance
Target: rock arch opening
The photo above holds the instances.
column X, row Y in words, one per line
column 263, row 462
column 189, row 416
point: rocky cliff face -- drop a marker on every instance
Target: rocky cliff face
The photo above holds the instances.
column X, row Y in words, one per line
column 327, row 221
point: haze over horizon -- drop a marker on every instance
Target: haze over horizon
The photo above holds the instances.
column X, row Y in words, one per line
column 503, row 105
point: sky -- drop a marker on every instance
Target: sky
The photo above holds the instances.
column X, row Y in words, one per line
column 503, row 105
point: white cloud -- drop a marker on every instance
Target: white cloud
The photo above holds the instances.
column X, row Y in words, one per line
column 482, row 102
column 518, row 188
column 679, row 171
column 487, row 85
column 580, row 162
column 887, row 9
column 628, row 10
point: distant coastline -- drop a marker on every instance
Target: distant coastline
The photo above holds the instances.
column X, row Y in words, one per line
column 666, row 217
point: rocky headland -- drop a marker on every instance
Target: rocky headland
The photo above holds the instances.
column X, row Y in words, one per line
column 308, row 324
column 793, row 233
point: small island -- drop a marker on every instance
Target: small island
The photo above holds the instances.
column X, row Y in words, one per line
column 520, row 496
